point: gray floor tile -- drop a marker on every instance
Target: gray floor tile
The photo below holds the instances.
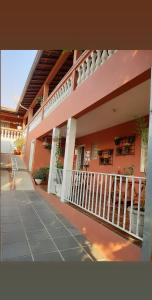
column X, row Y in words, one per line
column 42, row 246
column 26, row 258
column 9, row 237
column 76, row 255
column 32, row 226
column 65, row 242
column 38, row 235
column 58, row 232
column 53, row 223
column 53, row 256
column 15, row 250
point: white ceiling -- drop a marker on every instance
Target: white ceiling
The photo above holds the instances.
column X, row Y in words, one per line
column 126, row 107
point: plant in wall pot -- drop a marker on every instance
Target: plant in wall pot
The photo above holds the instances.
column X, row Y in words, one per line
column 126, row 148
column 117, row 140
column 131, row 139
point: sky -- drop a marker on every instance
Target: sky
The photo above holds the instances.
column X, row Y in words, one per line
column 15, row 67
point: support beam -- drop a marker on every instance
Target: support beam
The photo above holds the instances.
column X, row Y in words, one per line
column 68, row 158
column 147, row 236
column 45, row 91
column 52, row 175
column 30, row 114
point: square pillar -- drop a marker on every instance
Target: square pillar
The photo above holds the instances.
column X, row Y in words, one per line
column 52, row 171
column 30, row 114
column 68, row 158
column 147, row 234
column 45, row 91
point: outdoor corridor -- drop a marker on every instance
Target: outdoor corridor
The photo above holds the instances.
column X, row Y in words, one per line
column 31, row 228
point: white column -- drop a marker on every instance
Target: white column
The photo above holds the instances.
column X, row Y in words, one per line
column 147, row 236
column 68, row 158
column 55, row 137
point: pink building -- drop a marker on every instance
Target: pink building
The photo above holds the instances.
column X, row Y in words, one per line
column 86, row 118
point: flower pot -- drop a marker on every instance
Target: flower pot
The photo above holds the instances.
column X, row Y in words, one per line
column 133, row 217
column 38, row 181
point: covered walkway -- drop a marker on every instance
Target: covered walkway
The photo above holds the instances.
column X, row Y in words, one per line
column 31, row 228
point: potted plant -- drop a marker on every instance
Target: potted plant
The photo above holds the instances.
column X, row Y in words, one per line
column 39, row 176
column 39, row 100
column 117, row 140
column 126, row 148
column 129, row 170
column 131, row 139
column 19, row 143
column 134, row 214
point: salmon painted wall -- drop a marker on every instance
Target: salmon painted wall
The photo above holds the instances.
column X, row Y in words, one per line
column 41, row 156
column 120, row 69
column 105, row 140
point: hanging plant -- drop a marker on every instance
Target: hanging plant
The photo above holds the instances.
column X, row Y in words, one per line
column 142, row 130
column 39, row 100
column 117, row 140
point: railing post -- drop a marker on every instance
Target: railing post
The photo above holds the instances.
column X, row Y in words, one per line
column 147, row 234
column 68, row 158
column 55, row 137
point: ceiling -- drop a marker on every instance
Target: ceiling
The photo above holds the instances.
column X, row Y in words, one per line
column 43, row 64
column 123, row 108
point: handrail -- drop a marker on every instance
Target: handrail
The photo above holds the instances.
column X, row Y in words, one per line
column 74, row 67
column 81, row 60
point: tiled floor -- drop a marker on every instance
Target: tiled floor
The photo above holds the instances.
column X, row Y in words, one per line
column 31, row 230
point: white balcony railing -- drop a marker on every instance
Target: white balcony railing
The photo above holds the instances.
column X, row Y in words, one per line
column 116, row 199
column 92, row 63
column 36, row 121
column 58, row 97
column 10, row 133
column 85, row 66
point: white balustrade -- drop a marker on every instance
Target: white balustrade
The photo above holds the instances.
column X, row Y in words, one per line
column 92, row 63
column 116, row 199
column 58, row 97
column 10, row 133
column 36, row 121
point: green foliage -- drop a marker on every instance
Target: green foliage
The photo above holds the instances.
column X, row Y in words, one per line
column 59, row 153
column 19, row 143
column 142, row 130
column 39, row 99
column 48, row 146
column 41, row 173
column 129, row 170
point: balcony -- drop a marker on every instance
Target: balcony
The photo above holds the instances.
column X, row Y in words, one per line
column 86, row 65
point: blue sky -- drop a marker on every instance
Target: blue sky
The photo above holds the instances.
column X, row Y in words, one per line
column 15, row 67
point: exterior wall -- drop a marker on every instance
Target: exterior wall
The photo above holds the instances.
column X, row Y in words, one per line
column 121, row 68
column 105, row 140
column 41, row 156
